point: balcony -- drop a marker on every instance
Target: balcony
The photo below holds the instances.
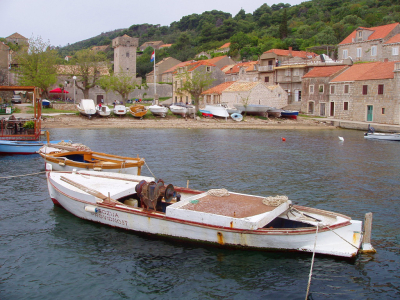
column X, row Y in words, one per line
column 265, row 68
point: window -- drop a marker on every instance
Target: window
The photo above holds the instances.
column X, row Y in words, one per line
column 380, row 89
column 208, row 69
column 383, row 110
column 311, row 89
column 345, row 105
column 321, row 88
column 346, row 88
column 287, row 72
column 332, row 89
column 359, row 52
column 127, row 54
column 374, row 51
column 365, row 89
column 296, row 72
column 360, row 33
column 395, row 51
column 345, row 54
column 266, row 79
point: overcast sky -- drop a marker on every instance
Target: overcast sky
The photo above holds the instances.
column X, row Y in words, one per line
column 63, row 22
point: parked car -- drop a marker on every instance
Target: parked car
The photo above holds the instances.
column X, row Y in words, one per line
column 16, row 99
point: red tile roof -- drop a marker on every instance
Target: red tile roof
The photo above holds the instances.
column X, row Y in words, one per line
column 195, row 65
column 367, row 71
column 379, row 32
column 182, row 64
column 226, row 45
column 215, row 59
column 249, row 66
column 395, row 39
column 281, row 52
column 324, row 71
column 219, row 88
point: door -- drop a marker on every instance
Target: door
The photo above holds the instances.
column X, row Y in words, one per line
column 322, row 109
column 297, row 95
column 369, row 113
column 99, row 98
column 332, row 112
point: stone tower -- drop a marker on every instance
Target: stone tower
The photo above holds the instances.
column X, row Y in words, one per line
column 125, row 54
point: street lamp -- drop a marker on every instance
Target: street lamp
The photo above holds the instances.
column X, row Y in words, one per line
column 74, row 78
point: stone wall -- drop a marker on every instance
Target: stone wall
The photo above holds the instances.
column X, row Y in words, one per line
column 63, row 106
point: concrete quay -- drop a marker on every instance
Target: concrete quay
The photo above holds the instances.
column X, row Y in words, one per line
column 360, row 125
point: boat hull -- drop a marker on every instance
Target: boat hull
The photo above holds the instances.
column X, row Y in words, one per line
column 158, row 110
column 88, row 207
column 253, row 109
column 291, row 114
column 103, row 111
column 382, row 136
column 138, row 111
column 21, row 147
column 217, row 111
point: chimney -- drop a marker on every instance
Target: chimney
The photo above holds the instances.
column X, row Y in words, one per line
column 386, row 60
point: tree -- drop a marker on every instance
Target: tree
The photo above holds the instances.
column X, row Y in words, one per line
column 195, row 83
column 88, row 69
column 123, row 84
column 283, row 28
column 105, row 82
column 37, row 65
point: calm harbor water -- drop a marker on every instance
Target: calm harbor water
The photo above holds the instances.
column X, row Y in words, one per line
column 47, row 253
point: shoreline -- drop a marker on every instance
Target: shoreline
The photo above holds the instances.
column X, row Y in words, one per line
column 78, row 121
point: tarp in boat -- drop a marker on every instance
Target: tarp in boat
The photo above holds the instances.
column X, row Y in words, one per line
column 58, row 90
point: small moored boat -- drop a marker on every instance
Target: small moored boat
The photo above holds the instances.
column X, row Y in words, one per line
column 120, row 110
column 382, row 136
column 215, row 217
column 178, row 109
column 22, row 147
column 253, row 109
column 237, row 117
column 217, row 110
column 291, row 114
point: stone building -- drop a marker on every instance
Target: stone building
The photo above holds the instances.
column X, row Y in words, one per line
column 245, row 71
column 17, row 39
column 5, row 61
column 369, row 44
column 368, row 92
column 162, row 66
column 316, row 89
column 125, row 54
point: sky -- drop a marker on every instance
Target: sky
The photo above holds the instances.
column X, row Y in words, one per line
column 67, row 22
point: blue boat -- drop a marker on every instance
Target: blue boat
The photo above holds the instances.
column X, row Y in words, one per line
column 237, row 117
column 22, row 147
column 289, row 114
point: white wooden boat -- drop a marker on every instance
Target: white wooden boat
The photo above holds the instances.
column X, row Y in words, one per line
column 253, row 109
column 230, row 109
column 119, row 110
column 382, row 136
column 67, row 158
column 103, row 111
column 178, row 109
column 274, row 112
column 215, row 217
column 158, row 110
column 86, row 107
column 217, row 110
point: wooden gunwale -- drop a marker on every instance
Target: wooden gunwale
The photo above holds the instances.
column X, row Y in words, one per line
column 159, row 215
column 137, row 114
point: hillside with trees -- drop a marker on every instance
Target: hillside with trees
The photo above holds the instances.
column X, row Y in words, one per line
column 306, row 26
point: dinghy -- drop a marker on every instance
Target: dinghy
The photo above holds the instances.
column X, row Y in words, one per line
column 237, row 117
column 138, row 111
column 215, row 217
column 86, row 107
column 120, row 110
column 103, row 111
column 158, row 110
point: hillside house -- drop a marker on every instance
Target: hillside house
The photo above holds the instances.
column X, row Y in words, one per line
column 17, row 39
column 316, row 89
column 286, row 68
column 154, row 44
column 224, row 48
column 162, row 66
column 167, row 76
column 370, row 44
column 368, row 92
column 245, row 71
column 203, row 66
column 101, row 48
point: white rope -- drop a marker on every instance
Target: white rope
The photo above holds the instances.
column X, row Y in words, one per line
column 312, row 263
column 275, row 201
column 149, row 169
column 7, row 177
column 218, row 192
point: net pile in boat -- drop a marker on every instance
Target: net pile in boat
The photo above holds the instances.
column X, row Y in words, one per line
column 77, row 146
column 275, row 201
column 218, row 192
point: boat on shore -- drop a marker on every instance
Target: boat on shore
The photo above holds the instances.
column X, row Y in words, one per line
column 178, row 109
column 87, row 108
column 103, row 111
column 158, row 110
column 274, row 112
column 67, row 158
column 291, row 114
column 215, row 217
column 137, row 110
column 119, row 110
column 217, row 110
column 237, row 117
column 206, row 113
column 253, row 109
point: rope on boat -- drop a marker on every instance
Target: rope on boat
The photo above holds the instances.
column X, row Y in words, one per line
column 7, row 177
column 312, row 263
column 341, row 237
column 275, row 201
column 149, row 169
column 218, row 192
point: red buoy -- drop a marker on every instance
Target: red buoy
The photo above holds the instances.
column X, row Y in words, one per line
column 283, row 139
